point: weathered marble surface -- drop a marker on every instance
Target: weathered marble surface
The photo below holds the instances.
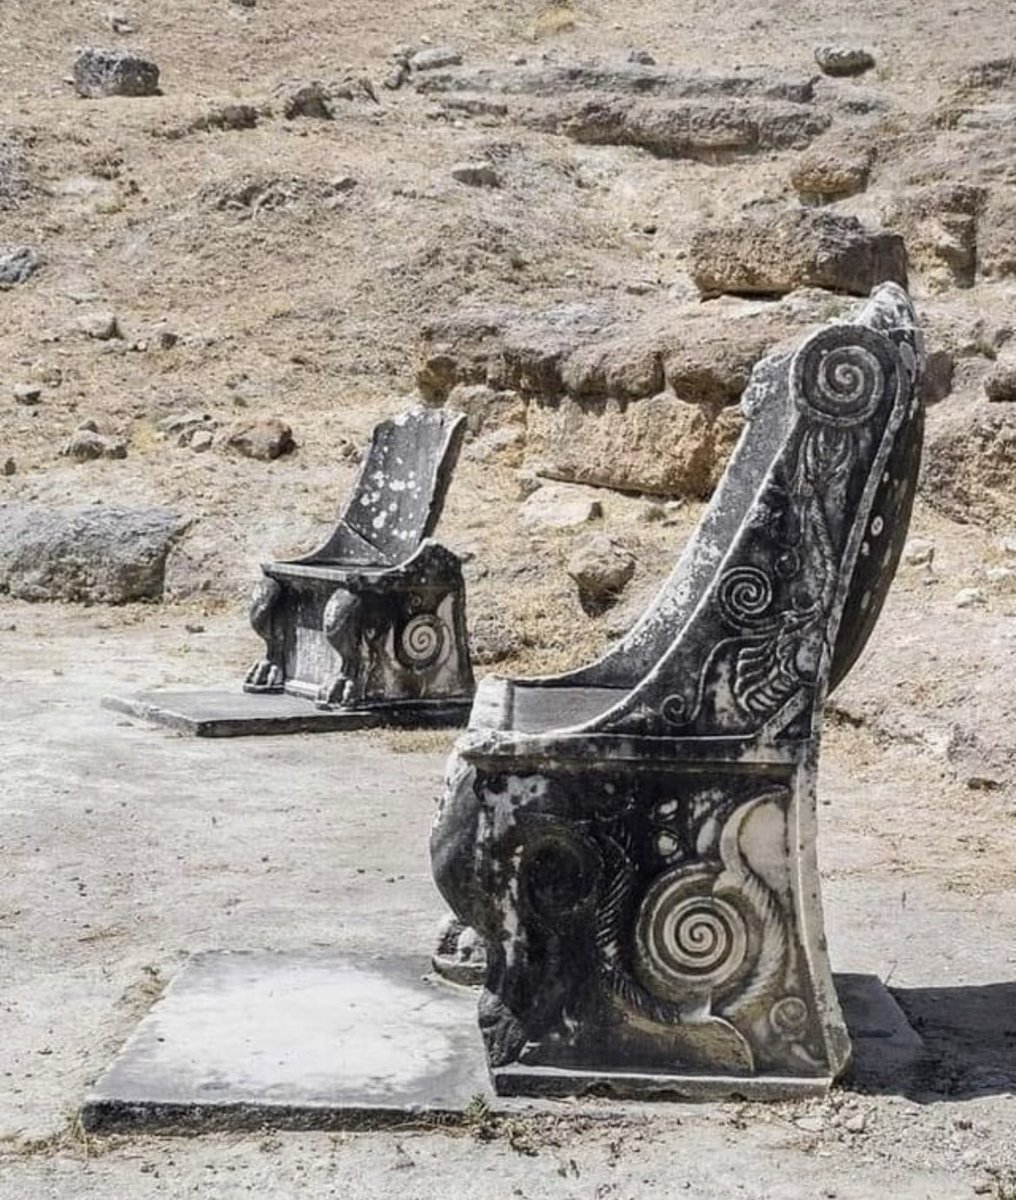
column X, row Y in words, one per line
column 376, row 615
column 635, row 841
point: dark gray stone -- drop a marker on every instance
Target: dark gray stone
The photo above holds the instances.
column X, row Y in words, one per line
column 99, row 73
column 18, row 263
column 375, row 616
column 92, row 554
column 634, row 841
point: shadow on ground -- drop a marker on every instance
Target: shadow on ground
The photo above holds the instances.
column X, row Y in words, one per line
column 970, row 1039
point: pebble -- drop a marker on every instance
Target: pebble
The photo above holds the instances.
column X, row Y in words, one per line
column 435, row 58
column 983, row 1187
column 856, row 1124
column 476, row 175
column 970, row 598
column 810, row 1124
column 201, row 440
column 10, row 466
column 102, row 326
column 642, row 58
column 919, row 552
column 27, row 393
column 843, row 60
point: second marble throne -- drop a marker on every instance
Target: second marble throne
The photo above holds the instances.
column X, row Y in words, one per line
column 374, row 618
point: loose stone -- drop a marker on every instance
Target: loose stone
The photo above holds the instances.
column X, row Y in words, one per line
column 99, row 73
column 843, row 60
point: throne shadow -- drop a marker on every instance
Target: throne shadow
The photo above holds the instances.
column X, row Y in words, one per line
column 961, row 1042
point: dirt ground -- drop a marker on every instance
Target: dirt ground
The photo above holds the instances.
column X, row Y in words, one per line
column 129, row 848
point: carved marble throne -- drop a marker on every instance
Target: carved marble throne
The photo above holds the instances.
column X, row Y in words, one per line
column 635, row 841
column 375, row 616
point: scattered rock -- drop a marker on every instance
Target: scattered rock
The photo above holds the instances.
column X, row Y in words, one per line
column 102, row 325
column 87, row 444
column 832, row 169
column 396, row 77
column 939, row 225
column 803, row 247
column 29, row 394
column 971, row 597
column 476, row 174
column 559, row 508
column 434, row 58
column 267, row 439
column 18, row 263
column 705, row 130
column 92, row 554
column 227, row 117
column 919, row 552
column 1000, row 381
column 601, row 567
column 99, row 73
column 192, row 429
column 313, row 99
column 843, row 60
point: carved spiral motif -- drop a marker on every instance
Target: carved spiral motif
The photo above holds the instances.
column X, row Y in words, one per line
column 745, row 594
column 422, row 641
column 789, row 1016
column 842, row 374
column 675, row 709
column 688, row 939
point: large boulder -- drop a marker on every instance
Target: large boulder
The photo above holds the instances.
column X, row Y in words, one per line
column 800, row 247
column 92, row 554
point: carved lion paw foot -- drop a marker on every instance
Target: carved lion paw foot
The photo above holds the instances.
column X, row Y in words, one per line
column 264, row 676
column 336, row 693
column 461, row 955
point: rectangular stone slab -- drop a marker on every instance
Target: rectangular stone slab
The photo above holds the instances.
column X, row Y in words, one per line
column 222, row 712
column 323, row 1040
column 303, row 1040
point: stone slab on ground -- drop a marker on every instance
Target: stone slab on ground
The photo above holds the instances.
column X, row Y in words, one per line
column 302, row 1040
column 221, row 712
column 324, row 1040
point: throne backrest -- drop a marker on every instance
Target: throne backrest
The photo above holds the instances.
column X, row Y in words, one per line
column 776, row 594
column 400, row 491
